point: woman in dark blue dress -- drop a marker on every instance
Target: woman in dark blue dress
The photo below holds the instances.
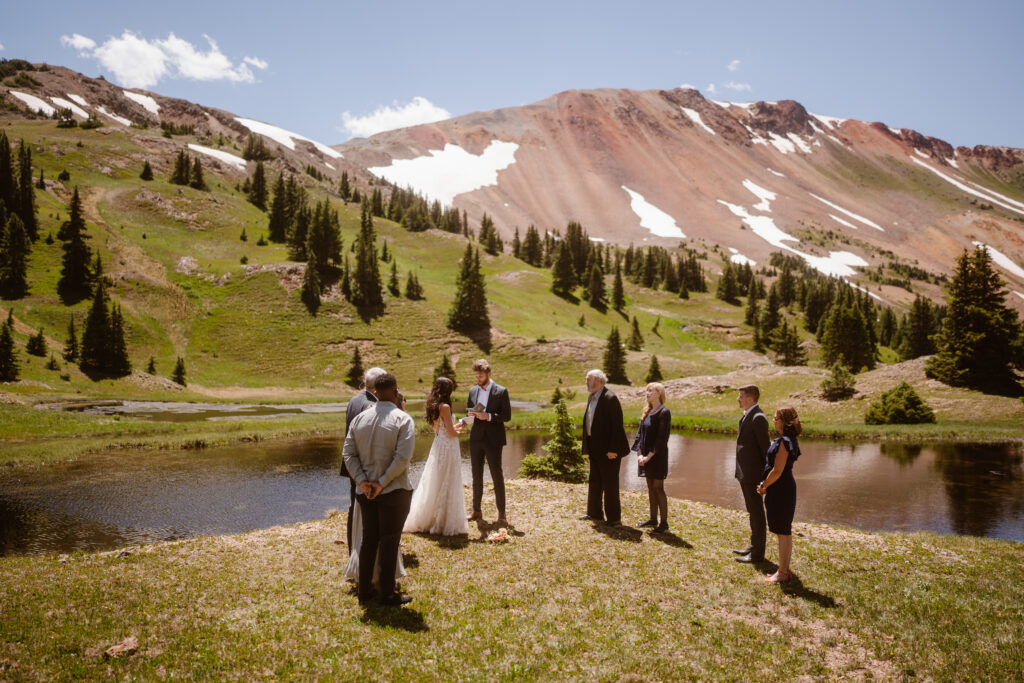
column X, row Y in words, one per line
column 779, row 487
column 651, row 446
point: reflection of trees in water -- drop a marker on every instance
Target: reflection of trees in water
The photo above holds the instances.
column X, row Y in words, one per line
column 26, row 527
column 903, row 453
column 983, row 484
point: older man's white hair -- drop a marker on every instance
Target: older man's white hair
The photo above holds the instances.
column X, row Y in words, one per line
column 598, row 374
column 371, row 376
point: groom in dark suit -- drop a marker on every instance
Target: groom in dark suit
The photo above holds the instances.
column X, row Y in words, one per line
column 604, row 440
column 751, row 448
column 487, row 437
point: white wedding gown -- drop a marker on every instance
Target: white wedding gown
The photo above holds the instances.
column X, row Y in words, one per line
column 438, row 503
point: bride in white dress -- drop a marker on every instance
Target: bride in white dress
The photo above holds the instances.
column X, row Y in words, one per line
column 439, row 502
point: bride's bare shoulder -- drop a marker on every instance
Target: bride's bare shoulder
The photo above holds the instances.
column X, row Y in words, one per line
column 446, row 409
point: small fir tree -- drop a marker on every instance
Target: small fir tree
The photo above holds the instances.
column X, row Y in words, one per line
column 178, row 376
column 354, row 378
column 654, row 371
column 182, row 169
column 14, row 250
column 563, row 273
column 899, row 405
column 445, row 369
column 468, row 312
column 838, row 385
column 26, row 208
column 786, row 343
column 196, row 180
column 311, row 285
column 151, row 366
column 147, row 171
column 36, row 345
column 258, row 187
column 615, row 359
column 917, row 334
column 846, row 340
column 728, row 289
column 8, row 355
column 71, row 344
column 636, row 340
column 393, row 280
column 93, row 356
column 564, row 459
column 618, row 294
column 75, row 276
column 413, row 290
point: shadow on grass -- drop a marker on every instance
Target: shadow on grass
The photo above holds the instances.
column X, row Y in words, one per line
column 450, row 542
column 485, row 528
column 620, row 533
column 669, row 538
column 410, row 560
column 395, row 617
column 796, row 588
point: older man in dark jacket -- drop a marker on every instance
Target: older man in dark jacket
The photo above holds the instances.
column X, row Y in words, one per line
column 605, row 442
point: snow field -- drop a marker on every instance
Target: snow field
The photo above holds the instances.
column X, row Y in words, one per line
column 653, row 218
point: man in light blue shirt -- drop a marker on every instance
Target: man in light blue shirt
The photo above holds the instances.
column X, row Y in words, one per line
column 377, row 452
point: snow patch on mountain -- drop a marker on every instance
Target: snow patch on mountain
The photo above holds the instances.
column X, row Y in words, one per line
column 34, row 103
column 782, row 144
column 851, row 214
column 219, row 154
column 285, row 137
column 79, row 99
column 799, row 142
column 764, row 195
column 695, row 117
column 449, row 172
column 1002, row 259
column 737, row 257
column 653, row 218
column 147, row 102
column 839, row 220
column 75, row 109
column 923, row 155
column 1018, row 294
column 1007, row 203
column 774, row 172
column 830, row 121
column 120, row 119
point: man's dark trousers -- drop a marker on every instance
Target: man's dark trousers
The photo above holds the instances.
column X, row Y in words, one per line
column 604, row 479
column 479, row 451
column 383, row 519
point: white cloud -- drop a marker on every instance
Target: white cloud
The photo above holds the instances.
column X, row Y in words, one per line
column 687, row 86
column 419, row 110
column 78, row 42
column 734, row 65
column 256, row 62
column 1, row 47
column 732, row 85
column 136, row 62
column 712, row 90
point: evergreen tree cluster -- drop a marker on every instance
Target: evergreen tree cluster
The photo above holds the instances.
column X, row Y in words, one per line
column 188, row 171
column 255, row 150
column 103, row 349
column 468, row 312
column 488, row 236
column 416, row 214
column 365, row 278
column 9, row 367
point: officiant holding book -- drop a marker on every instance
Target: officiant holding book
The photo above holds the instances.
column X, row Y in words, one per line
column 490, row 409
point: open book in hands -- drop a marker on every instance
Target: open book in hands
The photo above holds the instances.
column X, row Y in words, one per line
column 468, row 420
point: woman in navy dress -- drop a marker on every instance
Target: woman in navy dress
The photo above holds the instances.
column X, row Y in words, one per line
column 651, row 446
column 779, row 487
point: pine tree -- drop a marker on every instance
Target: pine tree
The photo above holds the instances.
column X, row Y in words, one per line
column 147, row 171
column 750, row 313
column 354, row 378
column 445, row 369
column 653, row 371
column 74, row 273
column 346, row 281
column 979, row 344
column 118, row 362
column 845, row 339
column 8, row 184
column 917, row 335
column 517, row 245
column 71, row 344
column 151, row 366
column 26, row 193
column 258, row 187
column 728, row 288
column 532, row 251
column 196, row 180
column 393, row 280
column 615, row 359
column 182, row 169
column 36, row 345
column 366, row 285
column 255, row 150
column 596, row 295
column 279, row 218
column 178, row 376
column 618, row 295
column 412, row 287
column 770, row 315
column 8, row 356
column 311, row 285
column 563, row 273
column 345, row 190
column 786, row 343
column 468, row 312
column 563, row 459
column 93, row 354
column 636, row 340
column 14, row 251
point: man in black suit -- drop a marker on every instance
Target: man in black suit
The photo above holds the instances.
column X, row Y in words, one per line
column 357, row 404
column 487, row 437
column 604, row 440
column 751, row 446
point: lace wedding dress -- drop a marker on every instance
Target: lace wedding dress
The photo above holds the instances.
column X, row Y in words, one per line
column 439, row 503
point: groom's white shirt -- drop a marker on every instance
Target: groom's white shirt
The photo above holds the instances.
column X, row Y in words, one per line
column 391, row 433
column 484, row 393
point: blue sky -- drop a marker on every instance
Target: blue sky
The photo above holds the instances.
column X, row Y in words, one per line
column 947, row 69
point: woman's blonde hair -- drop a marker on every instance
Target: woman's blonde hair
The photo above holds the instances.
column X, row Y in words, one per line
column 790, row 421
column 660, row 388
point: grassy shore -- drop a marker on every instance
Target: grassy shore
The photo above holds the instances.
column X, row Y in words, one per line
column 563, row 600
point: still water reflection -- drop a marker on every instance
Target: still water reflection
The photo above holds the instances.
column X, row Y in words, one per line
column 116, row 499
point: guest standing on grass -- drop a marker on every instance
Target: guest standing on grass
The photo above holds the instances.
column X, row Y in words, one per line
column 779, row 487
column 377, row 452
column 604, row 440
column 751, row 445
column 651, row 446
column 357, row 404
